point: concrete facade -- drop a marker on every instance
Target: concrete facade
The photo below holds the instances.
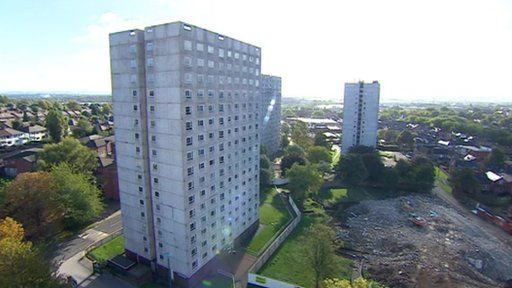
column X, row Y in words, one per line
column 271, row 113
column 360, row 114
column 187, row 121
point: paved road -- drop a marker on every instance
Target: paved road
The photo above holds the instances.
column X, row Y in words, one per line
column 69, row 255
column 79, row 243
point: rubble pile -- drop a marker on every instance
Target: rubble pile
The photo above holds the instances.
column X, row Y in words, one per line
column 400, row 250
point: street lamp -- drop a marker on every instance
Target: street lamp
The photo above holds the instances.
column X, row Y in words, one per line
column 171, row 273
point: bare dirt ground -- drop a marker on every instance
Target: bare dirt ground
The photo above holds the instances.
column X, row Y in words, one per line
column 452, row 250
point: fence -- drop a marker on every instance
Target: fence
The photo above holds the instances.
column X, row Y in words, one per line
column 103, row 241
column 270, row 249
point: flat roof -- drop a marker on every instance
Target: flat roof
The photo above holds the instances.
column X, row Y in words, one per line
column 315, row 120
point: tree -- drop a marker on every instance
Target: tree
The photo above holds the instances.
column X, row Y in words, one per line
column 304, row 179
column 80, row 158
column 319, row 154
column 31, row 199
column 496, row 158
column 266, row 177
column 266, row 170
column 422, row 175
column 319, row 251
column 75, row 191
column 56, row 125
column 321, row 141
column 337, row 283
column 324, row 168
column 295, row 150
column 389, row 178
column 464, row 180
column 405, row 138
column 284, row 141
column 300, row 135
column 288, row 161
column 43, row 104
column 351, row 169
column 106, row 109
column 73, row 105
column 373, row 164
column 16, row 124
column 83, row 128
column 342, row 283
column 20, row 264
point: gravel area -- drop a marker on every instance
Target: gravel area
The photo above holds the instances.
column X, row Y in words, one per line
column 450, row 251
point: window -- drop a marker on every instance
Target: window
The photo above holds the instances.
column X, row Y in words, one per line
column 194, row 264
column 190, row 155
column 150, row 62
column 187, row 45
column 188, row 110
column 200, row 47
column 155, row 180
column 137, row 149
column 200, row 62
column 152, row 123
column 191, row 199
column 192, row 226
column 190, row 171
column 211, row 64
column 188, row 125
column 200, row 123
column 135, row 107
column 237, row 55
column 221, row 53
column 200, row 93
column 152, row 108
column 187, row 61
column 188, row 78
column 229, row 55
column 136, row 135
column 189, row 141
column 210, row 49
column 210, row 93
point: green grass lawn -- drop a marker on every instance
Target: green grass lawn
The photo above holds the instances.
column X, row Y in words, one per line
column 442, row 180
column 273, row 217
column 335, row 157
column 289, row 264
column 108, row 250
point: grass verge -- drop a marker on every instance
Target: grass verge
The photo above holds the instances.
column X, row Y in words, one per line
column 108, row 250
column 442, row 180
column 273, row 217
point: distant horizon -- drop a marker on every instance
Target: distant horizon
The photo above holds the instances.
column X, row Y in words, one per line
column 308, row 98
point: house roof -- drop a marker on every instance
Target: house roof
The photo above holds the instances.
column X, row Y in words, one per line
column 93, row 141
column 9, row 132
column 27, row 154
column 106, row 161
column 34, row 129
column 493, row 176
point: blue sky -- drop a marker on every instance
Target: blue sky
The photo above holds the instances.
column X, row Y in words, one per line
column 418, row 49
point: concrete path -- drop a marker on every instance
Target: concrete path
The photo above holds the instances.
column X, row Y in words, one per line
column 70, row 255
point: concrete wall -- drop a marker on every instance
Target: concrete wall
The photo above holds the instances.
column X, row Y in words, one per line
column 360, row 114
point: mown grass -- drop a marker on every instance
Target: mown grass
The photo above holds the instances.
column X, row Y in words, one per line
column 273, row 217
column 442, row 180
column 289, row 263
column 108, row 250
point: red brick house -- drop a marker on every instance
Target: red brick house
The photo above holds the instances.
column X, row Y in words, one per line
column 20, row 162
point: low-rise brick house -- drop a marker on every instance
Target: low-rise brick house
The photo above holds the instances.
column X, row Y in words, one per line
column 107, row 178
column 102, row 145
column 20, row 162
